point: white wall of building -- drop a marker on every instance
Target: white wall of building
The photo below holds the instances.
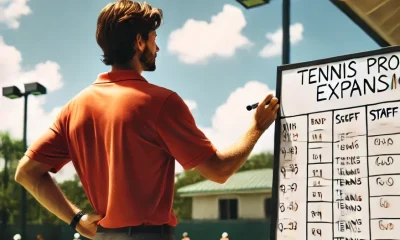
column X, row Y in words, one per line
column 250, row 206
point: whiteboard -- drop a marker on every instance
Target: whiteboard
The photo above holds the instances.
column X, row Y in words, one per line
column 337, row 148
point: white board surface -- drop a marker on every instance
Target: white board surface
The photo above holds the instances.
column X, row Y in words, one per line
column 339, row 149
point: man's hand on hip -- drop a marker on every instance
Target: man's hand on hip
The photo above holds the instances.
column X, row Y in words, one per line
column 87, row 226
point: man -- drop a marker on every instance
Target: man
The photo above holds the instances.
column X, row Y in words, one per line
column 224, row 236
column 17, row 237
column 185, row 236
column 39, row 237
column 123, row 134
column 76, row 236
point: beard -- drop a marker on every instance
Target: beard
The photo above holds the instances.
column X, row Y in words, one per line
column 148, row 60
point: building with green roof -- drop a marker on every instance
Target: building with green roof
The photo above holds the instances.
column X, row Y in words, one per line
column 245, row 195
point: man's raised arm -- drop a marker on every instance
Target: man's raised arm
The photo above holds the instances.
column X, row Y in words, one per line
column 224, row 164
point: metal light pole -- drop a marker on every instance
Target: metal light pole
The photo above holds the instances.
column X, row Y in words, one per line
column 286, row 32
column 285, row 60
column 5, row 144
column 248, row 4
column 13, row 92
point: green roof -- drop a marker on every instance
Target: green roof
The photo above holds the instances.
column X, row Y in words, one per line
column 246, row 181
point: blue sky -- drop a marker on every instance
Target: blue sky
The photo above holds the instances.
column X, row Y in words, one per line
column 212, row 53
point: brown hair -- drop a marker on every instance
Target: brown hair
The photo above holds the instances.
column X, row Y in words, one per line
column 117, row 27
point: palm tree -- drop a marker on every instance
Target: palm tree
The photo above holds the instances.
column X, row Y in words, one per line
column 10, row 150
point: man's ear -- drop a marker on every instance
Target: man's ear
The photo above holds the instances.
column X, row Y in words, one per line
column 140, row 44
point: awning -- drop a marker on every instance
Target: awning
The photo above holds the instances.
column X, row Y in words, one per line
column 380, row 19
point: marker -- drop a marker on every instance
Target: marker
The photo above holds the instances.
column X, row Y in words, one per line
column 255, row 105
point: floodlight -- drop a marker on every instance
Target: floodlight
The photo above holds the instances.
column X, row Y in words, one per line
column 252, row 3
column 12, row 92
column 35, row 88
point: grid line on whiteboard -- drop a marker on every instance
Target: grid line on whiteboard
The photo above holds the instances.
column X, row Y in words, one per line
column 333, row 171
column 308, row 150
column 337, row 109
column 369, row 189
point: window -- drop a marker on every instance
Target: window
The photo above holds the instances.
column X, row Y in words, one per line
column 267, row 207
column 228, row 209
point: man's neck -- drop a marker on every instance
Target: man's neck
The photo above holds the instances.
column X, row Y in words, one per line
column 137, row 69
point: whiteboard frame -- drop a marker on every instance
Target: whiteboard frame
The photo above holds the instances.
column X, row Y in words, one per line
column 277, row 135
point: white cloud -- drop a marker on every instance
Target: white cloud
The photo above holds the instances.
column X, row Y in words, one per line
column 198, row 41
column 12, row 10
column 66, row 173
column 274, row 47
column 191, row 104
column 11, row 73
column 231, row 120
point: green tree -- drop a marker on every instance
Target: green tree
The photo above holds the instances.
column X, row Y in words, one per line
column 259, row 161
column 11, row 151
column 183, row 206
column 74, row 192
column 9, row 199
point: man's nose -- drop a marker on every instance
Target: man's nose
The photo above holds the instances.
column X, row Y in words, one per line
column 157, row 48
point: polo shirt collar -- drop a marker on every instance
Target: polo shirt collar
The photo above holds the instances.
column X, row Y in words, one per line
column 120, row 75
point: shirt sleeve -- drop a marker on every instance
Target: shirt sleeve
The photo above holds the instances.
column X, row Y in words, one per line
column 182, row 138
column 51, row 148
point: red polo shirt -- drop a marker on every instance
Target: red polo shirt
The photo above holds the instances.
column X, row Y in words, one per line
column 123, row 135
